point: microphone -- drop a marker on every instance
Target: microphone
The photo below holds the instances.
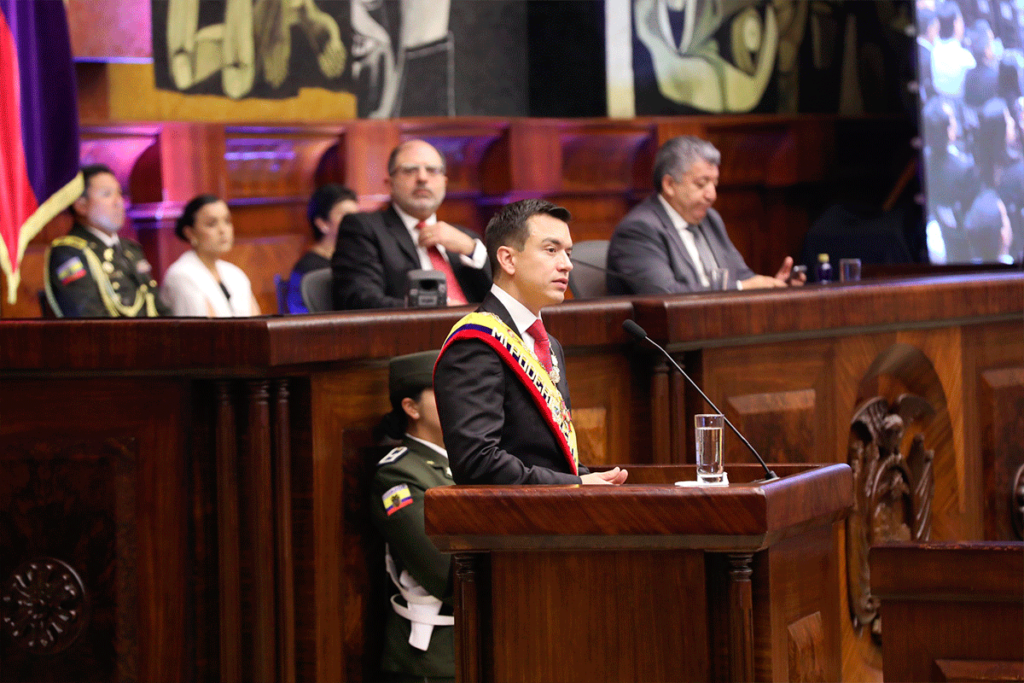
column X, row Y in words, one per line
column 638, row 332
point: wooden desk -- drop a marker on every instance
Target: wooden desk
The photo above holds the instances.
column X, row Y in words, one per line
column 953, row 611
column 649, row 581
column 167, row 460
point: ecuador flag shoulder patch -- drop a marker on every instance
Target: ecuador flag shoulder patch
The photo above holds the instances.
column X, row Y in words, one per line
column 396, row 498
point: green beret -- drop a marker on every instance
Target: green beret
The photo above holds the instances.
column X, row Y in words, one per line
column 410, row 374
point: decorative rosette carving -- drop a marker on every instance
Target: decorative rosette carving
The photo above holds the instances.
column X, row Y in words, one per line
column 45, row 606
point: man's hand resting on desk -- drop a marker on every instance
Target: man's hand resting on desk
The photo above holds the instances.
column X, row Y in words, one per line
column 783, row 278
column 612, row 477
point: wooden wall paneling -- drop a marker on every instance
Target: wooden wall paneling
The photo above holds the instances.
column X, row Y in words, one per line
column 228, row 535
column 599, row 646
column 364, row 149
column 951, row 601
column 990, row 353
column 192, row 160
column 280, row 162
column 1001, row 414
column 799, row 381
column 802, row 628
column 601, row 390
column 132, row 431
column 338, row 623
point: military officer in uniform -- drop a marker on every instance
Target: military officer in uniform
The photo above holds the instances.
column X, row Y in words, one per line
column 419, row 635
column 91, row 271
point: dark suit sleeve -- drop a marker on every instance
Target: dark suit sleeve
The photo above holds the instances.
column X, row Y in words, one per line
column 79, row 298
column 404, row 531
column 475, row 282
column 358, row 267
column 469, row 386
column 640, row 257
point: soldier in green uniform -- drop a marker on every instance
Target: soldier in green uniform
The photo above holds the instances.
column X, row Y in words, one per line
column 92, row 272
column 419, row 636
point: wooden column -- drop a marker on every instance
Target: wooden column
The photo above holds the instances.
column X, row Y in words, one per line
column 259, row 520
column 229, row 570
column 741, row 618
column 468, row 621
column 661, row 419
column 283, row 519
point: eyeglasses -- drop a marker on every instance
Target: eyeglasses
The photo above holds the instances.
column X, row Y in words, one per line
column 410, row 170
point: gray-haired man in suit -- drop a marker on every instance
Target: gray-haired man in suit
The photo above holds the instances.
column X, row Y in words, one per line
column 671, row 242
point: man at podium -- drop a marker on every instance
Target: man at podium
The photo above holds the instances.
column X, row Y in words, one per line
column 500, row 383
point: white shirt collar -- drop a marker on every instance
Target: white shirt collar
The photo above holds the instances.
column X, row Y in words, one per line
column 521, row 315
column 411, row 222
column 434, row 447
column 677, row 221
column 106, row 238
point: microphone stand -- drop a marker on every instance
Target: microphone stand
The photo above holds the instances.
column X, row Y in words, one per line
column 638, row 332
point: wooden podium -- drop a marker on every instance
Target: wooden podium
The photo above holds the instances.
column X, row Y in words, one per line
column 648, row 581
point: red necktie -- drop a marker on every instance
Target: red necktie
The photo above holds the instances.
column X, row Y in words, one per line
column 541, row 345
column 440, row 263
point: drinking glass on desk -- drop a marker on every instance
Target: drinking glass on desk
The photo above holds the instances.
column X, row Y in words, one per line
column 720, row 280
column 708, row 441
column 849, row 270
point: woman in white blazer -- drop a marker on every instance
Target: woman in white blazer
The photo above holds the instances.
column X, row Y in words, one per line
column 199, row 283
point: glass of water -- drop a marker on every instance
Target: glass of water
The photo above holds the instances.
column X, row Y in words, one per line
column 710, row 469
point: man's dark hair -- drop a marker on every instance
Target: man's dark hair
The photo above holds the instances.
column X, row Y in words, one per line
column 508, row 227
column 677, row 156
column 948, row 14
column 402, row 145
column 89, row 171
column 936, row 117
column 323, row 200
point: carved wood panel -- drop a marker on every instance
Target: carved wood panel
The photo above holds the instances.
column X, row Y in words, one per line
column 1001, row 413
column 779, row 395
column 807, row 654
column 67, row 568
column 783, row 422
column 603, row 406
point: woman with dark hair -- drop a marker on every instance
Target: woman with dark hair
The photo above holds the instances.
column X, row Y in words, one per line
column 996, row 135
column 328, row 205
column 199, row 283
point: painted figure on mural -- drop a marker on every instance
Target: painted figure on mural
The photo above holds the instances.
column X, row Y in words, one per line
column 254, row 38
column 403, row 65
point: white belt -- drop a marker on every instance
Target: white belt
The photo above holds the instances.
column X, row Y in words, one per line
column 423, row 608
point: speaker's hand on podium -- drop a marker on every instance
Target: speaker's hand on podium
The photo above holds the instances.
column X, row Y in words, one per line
column 612, row 477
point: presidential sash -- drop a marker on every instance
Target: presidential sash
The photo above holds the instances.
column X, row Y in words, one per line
column 509, row 346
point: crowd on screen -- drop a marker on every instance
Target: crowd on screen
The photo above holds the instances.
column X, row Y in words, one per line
column 971, row 82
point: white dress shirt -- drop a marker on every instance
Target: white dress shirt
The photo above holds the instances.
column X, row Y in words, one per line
column 521, row 316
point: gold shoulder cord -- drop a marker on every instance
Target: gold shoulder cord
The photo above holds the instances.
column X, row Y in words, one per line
column 110, row 299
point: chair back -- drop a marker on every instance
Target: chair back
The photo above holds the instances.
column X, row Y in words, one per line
column 316, row 290
column 281, row 288
column 589, row 260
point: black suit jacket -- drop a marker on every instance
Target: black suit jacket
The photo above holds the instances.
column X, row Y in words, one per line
column 374, row 252
column 493, row 430
column 647, row 254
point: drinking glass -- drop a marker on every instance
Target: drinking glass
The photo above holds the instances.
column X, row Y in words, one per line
column 710, row 469
column 849, row 270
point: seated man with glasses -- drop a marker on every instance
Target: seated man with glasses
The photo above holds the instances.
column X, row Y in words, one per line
column 375, row 251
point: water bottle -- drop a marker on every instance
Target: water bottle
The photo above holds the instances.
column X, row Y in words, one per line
column 824, row 269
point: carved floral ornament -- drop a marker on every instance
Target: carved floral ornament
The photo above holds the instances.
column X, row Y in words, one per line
column 892, row 493
column 45, row 606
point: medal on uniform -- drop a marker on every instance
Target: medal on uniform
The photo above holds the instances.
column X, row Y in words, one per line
column 555, row 374
column 108, row 267
column 108, row 254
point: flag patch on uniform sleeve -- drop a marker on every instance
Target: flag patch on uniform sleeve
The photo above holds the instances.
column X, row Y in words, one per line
column 396, row 498
column 70, row 270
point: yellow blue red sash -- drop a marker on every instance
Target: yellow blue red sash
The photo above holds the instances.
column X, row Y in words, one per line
column 509, row 346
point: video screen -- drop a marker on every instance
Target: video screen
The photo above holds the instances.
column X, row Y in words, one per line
column 970, row 56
